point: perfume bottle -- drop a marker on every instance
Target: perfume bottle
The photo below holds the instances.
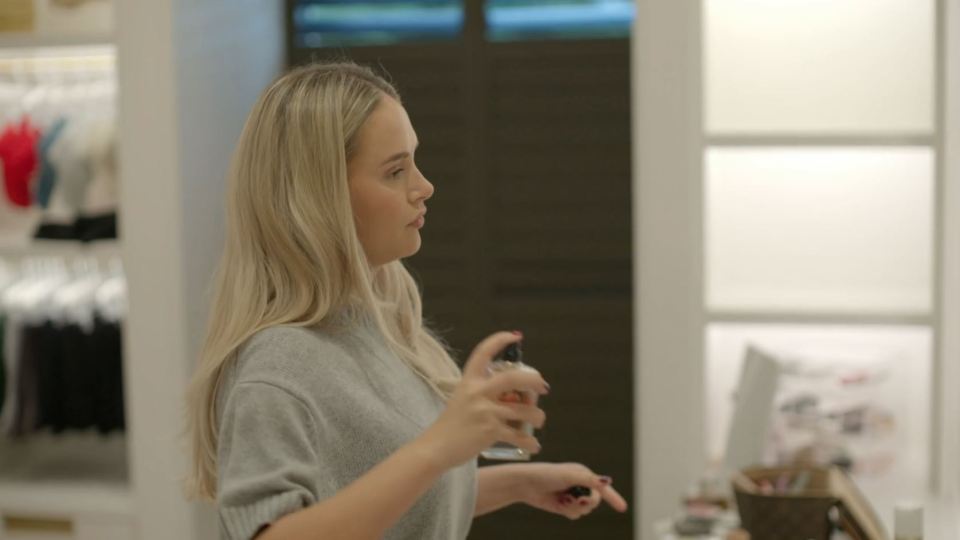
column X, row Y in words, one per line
column 512, row 358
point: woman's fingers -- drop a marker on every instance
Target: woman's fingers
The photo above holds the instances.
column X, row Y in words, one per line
column 485, row 351
column 529, row 443
column 509, row 381
column 519, row 412
column 614, row 499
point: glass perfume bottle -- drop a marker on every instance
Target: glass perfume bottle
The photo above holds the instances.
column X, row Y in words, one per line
column 509, row 359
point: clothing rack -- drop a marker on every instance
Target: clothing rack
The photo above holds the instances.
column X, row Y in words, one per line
column 58, row 115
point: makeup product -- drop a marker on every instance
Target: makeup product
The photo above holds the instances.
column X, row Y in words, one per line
column 800, row 483
column 908, row 522
column 511, row 358
column 782, row 482
column 579, row 491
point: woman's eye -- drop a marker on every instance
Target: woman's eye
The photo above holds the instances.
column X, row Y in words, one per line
column 396, row 173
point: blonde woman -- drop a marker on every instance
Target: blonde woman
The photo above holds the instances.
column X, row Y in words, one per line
column 322, row 407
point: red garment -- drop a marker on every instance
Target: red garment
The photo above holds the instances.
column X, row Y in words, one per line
column 18, row 152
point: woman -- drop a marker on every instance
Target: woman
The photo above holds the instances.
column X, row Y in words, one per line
column 322, row 407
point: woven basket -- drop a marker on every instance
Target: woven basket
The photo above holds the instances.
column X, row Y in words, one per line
column 802, row 516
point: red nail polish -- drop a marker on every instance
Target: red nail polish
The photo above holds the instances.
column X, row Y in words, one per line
column 584, row 502
column 518, row 333
column 606, row 480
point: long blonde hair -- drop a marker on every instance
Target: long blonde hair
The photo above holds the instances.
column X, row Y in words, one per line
column 292, row 254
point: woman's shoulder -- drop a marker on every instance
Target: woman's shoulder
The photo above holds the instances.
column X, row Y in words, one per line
column 288, row 356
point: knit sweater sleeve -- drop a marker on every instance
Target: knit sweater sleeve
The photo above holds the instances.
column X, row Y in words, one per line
column 267, row 458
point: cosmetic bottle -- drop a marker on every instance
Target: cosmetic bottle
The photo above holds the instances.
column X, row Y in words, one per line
column 511, row 358
column 908, row 522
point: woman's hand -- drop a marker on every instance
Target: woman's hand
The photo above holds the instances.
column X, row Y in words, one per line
column 475, row 418
column 545, row 487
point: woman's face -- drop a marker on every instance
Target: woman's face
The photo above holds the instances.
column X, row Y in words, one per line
column 387, row 191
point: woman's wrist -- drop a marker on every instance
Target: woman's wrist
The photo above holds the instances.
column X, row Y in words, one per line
column 516, row 481
column 432, row 452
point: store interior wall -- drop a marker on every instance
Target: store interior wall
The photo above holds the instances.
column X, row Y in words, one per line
column 189, row 71
column 667, row 196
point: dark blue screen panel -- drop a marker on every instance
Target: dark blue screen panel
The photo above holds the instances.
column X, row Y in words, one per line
column 333, row 23
column 517, row 20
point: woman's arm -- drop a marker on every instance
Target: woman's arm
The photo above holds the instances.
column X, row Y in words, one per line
column 498, row 486
column 473, row 419
column 544, row 486
column 370, row 505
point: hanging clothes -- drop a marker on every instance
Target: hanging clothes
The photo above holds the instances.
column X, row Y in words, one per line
column 62, row 353
column 18, row 151
column 48, row 172
column 3, row 367
column 27, row 408
column 108, row 401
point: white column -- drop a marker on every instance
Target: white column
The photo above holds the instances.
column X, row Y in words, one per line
column 950, row 325
column 668, row 253
column 189, row 72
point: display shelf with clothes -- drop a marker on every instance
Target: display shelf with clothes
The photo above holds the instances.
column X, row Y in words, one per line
column 57, row 144
column 62, row 347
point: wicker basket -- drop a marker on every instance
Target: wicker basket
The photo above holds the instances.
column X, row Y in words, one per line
column 801, row 516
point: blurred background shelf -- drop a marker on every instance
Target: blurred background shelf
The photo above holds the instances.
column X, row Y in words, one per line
column 32, row 41
column 69, row 474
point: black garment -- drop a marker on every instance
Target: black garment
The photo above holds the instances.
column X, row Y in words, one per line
column 108, row 344
column 27, row 408
column 101, row 227
column 84, row 229
column 52, row 380
column 69, row 379
column 3, row 365
column 80, row 392
column 55, row 231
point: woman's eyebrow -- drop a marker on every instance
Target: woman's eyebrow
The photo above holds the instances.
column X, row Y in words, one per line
column 396, row 157
column 399, row 155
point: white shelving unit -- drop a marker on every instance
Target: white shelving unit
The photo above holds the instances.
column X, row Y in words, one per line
column 76, row 485
column 188, row 74
column 31, row 41
column 764, row 214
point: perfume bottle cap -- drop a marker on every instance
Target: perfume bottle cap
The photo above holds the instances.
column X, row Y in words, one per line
column 511, row 353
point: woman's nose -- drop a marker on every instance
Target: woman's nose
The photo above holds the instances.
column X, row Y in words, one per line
column 423, row 189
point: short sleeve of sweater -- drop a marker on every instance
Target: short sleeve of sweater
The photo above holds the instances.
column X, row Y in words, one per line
column 268, row 460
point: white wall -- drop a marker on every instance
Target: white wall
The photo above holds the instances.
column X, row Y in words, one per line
column 667, row 201
column 189, row 71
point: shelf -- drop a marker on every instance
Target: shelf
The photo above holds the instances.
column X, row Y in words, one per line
column 831, row 318
column 825, row 140
column 58, row 248
column 65, row 498
column 65, row 475
column 33, row 41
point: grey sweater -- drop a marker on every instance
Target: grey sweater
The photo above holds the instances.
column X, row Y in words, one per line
column 304, row 412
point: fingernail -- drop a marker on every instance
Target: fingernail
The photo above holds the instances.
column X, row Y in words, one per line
column 584, row 502
column 606, row 480
column 519, row 333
